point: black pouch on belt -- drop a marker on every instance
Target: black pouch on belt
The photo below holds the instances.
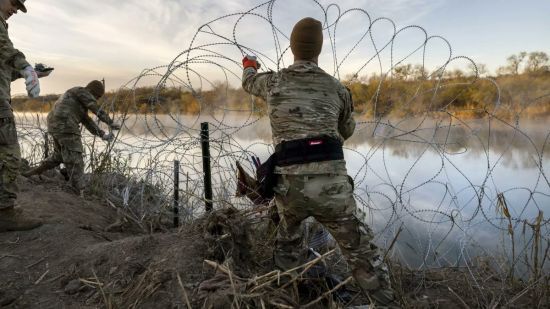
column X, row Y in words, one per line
column 267, row 179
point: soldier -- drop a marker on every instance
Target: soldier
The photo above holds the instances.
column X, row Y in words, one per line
column 311, row 115
column 69, row 111
column 13, row 65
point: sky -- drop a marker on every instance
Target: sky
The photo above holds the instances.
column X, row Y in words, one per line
column 117, row 40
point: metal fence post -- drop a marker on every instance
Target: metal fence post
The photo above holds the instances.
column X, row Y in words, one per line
column 176, row 192
column 205, row 144
column 46, row 146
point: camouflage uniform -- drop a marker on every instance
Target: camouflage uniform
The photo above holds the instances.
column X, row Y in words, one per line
column 69, row 111
column 303, row 102
column 11, row 62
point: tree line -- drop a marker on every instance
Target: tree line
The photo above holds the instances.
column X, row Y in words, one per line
column 519, row 88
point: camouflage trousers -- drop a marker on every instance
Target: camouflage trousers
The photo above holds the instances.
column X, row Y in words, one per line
column 329, row 199
column 68, row 150
column 10, row 157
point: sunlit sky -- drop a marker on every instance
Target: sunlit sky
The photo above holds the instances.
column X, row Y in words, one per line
column 116, row 40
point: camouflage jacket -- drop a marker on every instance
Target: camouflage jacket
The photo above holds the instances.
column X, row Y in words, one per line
column 71, row 109
column 11, row 62
column 304, row 101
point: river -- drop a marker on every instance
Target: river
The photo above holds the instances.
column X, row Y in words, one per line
column 442, row 182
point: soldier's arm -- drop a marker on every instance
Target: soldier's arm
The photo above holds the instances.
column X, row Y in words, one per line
column 91, row 126
column 9, row 54
column 256, row 83
column 346, row 123
column 88, row 100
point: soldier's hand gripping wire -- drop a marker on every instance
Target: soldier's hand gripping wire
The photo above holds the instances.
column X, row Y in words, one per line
column 109, row 137
column 250, row 61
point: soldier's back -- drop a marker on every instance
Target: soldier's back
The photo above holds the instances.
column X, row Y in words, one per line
column 304, row 101
column 67, row 113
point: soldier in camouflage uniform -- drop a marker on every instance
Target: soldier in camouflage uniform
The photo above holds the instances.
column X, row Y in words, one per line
column 303, row 102
column 13, row 65
column 69, row 111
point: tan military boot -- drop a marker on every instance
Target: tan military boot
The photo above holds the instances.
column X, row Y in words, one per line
column 13, row 219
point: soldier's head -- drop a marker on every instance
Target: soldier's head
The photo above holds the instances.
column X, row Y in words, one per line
column 10, row 7
column 306, row 39
column 96, row 88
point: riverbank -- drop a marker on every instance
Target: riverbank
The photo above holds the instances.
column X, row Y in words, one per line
column 88, row 255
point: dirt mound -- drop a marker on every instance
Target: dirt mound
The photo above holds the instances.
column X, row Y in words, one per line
column 84, row 245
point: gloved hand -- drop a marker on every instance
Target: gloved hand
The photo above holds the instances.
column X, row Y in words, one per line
column 108, row 137
column 42, row 70
column 31, row 81
column 41, row 74
column 115, row 126
column 251, row 62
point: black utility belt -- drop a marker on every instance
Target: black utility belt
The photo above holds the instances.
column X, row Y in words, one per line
column 309, row 150
column 298, row 151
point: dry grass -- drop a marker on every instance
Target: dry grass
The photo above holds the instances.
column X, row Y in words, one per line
column 229, row 281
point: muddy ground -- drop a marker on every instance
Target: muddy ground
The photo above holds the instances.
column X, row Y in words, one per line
column 86, row 255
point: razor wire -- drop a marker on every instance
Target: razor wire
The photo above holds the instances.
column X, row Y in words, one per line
column 450, row 186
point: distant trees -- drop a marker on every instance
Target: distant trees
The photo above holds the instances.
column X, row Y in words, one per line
column 538, row 61
column 534, row 62
column 403, row 71
column 456, row 73
column 408, row 71
column 478, row 69
column 515, row 61
column 408, row 89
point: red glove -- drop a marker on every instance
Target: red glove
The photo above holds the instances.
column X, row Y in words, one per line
column 250, row 61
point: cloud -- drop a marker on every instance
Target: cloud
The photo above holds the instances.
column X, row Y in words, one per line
column 105, row 37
